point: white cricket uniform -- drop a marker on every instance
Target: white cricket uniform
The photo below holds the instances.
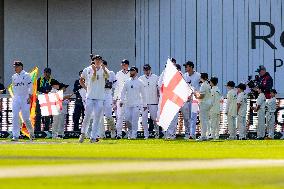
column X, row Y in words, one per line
column 205, row 104
column 132, row 97
column 270, row 116
column 95, row 96
column 22, row 88
column 242, row 100
column 189, row 112
column 260, row 101
column 108, row 102
column 215, row 112
column 121, row 78
column 231, row 110
column 151, row 99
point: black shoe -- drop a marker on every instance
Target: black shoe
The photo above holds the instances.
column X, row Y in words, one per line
column 260, row 138
column 243, row 139
column 118, row 137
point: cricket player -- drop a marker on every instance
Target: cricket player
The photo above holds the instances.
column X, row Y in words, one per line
column 93, row 79
column 121, row 78
column 108, row 105
column 231, row 109
column 150, row 82
column 242, row 111
column 260, row 109
column 205, row 101
column 22, row 89
column 215, row 108
column 192, row 77
column 132, row 97
column 270, row 115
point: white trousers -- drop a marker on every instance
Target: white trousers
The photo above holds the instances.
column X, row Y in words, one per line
column 215, row 125
column 58, row 125
column 204, row 119
column 152, row 109
column 186, row 112
column 131, row 118
column 261, row 124
column 119, row 118
column 270, row 121
column 232, row 126
column 172, row 129
column 19, row 104
column 92, row 106
column 193, row 120
column 242, row 126
column 107, row 112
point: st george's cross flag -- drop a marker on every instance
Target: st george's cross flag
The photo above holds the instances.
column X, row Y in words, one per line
column 174, row 93
column 51, row 103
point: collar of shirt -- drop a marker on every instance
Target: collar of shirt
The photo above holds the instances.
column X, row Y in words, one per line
column 125, row 72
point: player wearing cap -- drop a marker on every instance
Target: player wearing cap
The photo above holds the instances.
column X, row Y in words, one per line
column 121, row 78
column 192, row 77
column 231, row 109
column 270, row 114
column 108, row 104
column 242, row 111
column 132, row 97
column 150, row 82
column 215, row 108
column 204, row 95
column 93, row 80
column 22, row 89
column 260, row 109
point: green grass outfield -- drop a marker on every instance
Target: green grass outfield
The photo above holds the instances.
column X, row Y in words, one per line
column 69, row 152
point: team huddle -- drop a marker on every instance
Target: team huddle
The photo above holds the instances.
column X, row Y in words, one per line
column 130, row 96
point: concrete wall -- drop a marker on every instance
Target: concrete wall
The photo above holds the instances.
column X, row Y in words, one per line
column 61, row 36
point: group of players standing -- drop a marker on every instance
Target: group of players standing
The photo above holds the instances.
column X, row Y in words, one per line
column 129, row 96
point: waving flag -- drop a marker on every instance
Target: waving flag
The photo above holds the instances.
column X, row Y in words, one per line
column 51, row 103
column 174, row 93
column 34, row 74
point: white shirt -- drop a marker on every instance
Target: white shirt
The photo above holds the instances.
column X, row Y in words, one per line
column 260, row 101
column 231, row 107
column 205, row 89
column 271, row 105
column 121, row 78
column 111, row 79
column 150, row 88
column 193, row 79
column 95, row 84
column 22, row 84
column 242, row 100
column 133, row 94
column 215, row 99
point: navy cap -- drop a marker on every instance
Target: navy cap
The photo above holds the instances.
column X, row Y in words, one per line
column 97, row 57
column 18, row 63
column 189, row 63
column 47, row 70
column 125, row 61
column 133, row 68
column 231, row 84
column 61, row 85
column 54, row 82
column 204, row 75
column 147, row 67
column 242, row 86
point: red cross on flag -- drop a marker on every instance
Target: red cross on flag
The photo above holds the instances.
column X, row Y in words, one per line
column 51, row 103
column 174, row 93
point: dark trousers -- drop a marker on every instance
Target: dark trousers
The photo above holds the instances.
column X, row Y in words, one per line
column 78, row 112
column 46, row 120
